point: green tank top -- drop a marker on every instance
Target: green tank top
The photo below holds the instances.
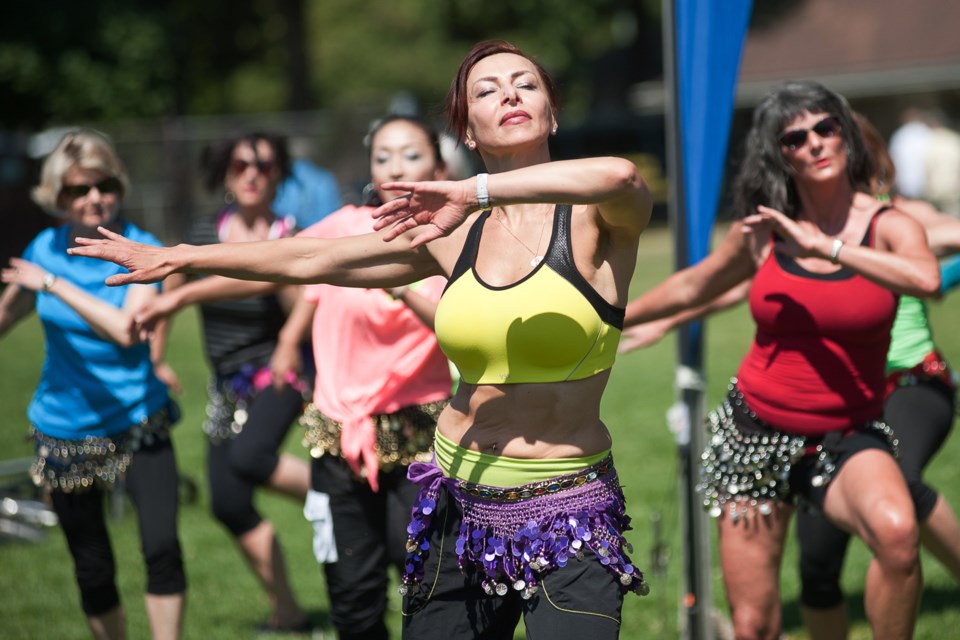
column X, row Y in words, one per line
column 910, row 338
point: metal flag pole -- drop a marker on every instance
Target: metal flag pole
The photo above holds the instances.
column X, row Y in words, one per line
column 686, row 416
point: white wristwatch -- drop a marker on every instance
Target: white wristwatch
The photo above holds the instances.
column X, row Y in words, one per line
column 483, row 197
column 835, row 250
column 48, row 281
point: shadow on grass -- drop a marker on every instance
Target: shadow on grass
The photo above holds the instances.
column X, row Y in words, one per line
column 935, row 599
column 322, row 628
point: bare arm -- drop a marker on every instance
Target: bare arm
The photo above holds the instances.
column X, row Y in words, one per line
column 943, row 230
column 612, row 184
column 16, row 303
column 287, row 359
column 944, row 240
column 901, row 261
column 218, row 288
column 422, row 306
column 102, row 316
column 158, row 340
column 731, row 263
column 358, row 261
column 159, row 310
column 643, row 335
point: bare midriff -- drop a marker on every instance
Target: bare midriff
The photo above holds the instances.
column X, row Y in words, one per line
column 532, row 420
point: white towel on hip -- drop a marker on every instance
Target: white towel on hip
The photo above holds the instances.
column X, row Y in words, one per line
column 316, row 509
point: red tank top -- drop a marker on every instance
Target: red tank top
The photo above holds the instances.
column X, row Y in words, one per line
column 817, row 362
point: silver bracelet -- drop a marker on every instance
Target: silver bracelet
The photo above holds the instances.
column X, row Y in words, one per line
column 483, row 196
column 835, row 250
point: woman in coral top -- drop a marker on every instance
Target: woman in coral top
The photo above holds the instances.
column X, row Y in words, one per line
column 381, row 383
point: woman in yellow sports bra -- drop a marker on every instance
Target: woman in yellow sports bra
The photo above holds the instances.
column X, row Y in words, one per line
column 521, row 513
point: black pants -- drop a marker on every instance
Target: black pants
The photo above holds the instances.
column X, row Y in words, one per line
column 236, row 467
column 152, row 484
column 370, row 531
column 921, row 415
column 580, row 601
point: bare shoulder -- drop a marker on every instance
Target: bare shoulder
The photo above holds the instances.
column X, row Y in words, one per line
column 895, row 226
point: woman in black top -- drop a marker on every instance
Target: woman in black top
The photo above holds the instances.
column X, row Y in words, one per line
column 250, row 408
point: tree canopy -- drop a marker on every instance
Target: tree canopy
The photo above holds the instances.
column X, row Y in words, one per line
column 119, row 59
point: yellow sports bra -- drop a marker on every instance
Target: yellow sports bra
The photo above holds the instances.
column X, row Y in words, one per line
column 550, row 326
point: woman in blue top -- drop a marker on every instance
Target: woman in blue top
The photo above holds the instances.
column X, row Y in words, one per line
column 99, row 411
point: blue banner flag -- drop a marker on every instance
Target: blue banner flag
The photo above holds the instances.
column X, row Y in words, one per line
column 709, row 41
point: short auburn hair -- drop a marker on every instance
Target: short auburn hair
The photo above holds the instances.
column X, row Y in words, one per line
column 455, row 105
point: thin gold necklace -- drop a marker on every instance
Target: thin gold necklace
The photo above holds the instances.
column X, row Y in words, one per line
column 536, row 259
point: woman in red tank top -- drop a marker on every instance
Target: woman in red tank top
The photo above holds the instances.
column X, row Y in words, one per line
column 801, row 421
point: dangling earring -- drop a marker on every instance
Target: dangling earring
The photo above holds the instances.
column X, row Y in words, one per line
column 229, row 197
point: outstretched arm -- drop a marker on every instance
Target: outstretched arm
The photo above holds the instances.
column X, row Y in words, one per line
column 359, row 261
column 613, row 184
column 943, row 230
column 643, row 335
column 150, row 317
column 730, row 264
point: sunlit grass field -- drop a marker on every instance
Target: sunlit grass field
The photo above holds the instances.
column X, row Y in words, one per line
column 38, row 597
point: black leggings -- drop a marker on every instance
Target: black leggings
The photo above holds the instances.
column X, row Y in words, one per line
column 921, row 415
column 371, row 533
column 236, row 467
column 152, row 484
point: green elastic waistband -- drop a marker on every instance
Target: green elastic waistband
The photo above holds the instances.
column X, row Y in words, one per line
column 501, row 471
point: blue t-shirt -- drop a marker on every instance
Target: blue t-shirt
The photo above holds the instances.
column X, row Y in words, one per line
column 309, row 194
column 89, row 385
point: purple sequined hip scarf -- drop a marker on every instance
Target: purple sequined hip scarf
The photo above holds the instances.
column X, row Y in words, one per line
column 514, row 535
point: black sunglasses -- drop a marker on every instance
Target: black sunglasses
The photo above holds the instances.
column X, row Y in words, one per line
column 795, row 138
column 105, row 186
column 238, row 166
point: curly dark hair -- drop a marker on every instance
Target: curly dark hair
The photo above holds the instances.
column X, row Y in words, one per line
column 215, row 158
column 765, row 178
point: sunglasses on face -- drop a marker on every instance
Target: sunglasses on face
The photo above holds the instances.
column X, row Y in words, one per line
column 105, row 186
column 238, row 166
column 796, row 138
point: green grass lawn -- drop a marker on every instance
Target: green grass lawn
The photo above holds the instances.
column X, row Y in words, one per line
column 38, row 598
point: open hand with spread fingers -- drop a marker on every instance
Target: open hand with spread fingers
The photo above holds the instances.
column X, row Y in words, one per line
column 437, row 206
column 792, row 238
column 146, row 263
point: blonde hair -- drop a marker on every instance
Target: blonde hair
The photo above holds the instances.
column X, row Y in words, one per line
column 83, row 148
